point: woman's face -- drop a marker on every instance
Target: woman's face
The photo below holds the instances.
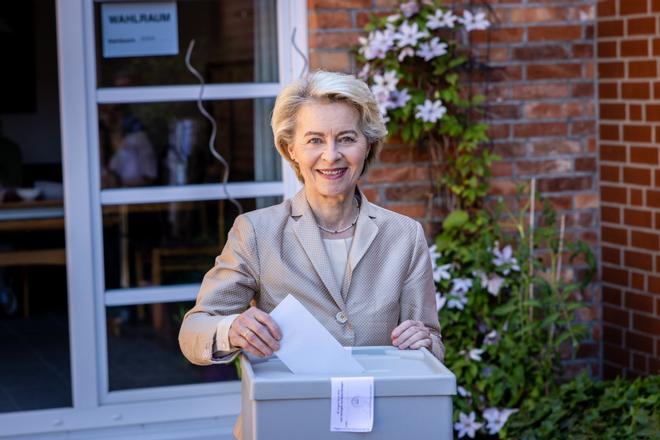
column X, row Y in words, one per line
column 329, row 148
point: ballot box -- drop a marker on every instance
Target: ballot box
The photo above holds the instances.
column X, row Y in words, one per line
column 412, row 398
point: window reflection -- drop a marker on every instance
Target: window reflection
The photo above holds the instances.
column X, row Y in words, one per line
column 236, row 41
column 167, row 143
column 166, row 243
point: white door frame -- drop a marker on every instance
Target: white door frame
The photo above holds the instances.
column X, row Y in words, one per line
column 86, row 297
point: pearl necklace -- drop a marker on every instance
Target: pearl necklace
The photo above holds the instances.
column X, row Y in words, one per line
column 339, row 231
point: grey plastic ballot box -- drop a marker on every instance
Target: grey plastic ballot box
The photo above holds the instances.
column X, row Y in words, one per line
column 413, row 398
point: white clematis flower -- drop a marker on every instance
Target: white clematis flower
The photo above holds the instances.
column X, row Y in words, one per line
column 442, row 273
column 442, row 20
column 474, row 22
column 462, row 391
column 409, row 34
column 467, row 425
column 457, row 300
column 432, row 49
column 410, row 8
column 492, row 284
column 475, row 354
column 440, row 301
column 496, row 418
column 430, row 111
column 406, row 52
column 505, row 258
column 491, row 338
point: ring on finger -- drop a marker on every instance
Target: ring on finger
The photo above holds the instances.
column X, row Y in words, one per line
column 245, row 333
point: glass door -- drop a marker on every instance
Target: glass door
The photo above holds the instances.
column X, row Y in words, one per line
column 35, row 370
column 163, row 213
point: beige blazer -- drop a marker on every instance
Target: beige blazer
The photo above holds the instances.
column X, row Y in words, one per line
column 277, row 251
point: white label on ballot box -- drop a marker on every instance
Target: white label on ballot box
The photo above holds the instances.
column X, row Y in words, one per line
column 352, row 404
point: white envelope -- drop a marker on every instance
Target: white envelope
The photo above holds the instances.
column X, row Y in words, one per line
column 306, row 346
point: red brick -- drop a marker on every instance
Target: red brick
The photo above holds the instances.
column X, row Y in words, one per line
column 639, row 302
column 504, row 111
column 609, row 173
column 535, row 53
column 636, row 196
column 646, row 324
column 656, row 46
column 539, row 91
column 333, row 61
column 585, row 164
column 553, row 147
column 635, row 112
column 414, row 210
column 610, row 28
column 554, row 71
column 639, row 342
column 640, row 26
column 653, row 112
column 611, row 255
column 560, row 184
column 656, row 8
column 531, row 15
column 640, row 363
column 608, row 90
column 613, row 111
column 333, row 40
column 637, row 133
column 503, row 187
column 614, row 235
column 610, row 132
column 637, row 280
column 637, row 176
column 501, row 169
column 654, row 284
column 639, row 260
column 582, row 50
column 615, row 316
column 610, row 214
column 409, row 193
column 635, row 90
column 607, row 49
column 339, row 4
column 638, row 217
column 613, row 194
column 397, row 174
column 612, row 153
column 539, row 129
column 587, row 201
column 583, row 89
column 606, row 7
column 329, row 20
column 653, row 198
column 629, row 7
column 645, row 240
column 545, row 33
column 634, row 48
column 498, row 35
column 543, row 166
column 616, row 355
column 611, row 69
column 509, row 149
column 642, row 69
column 612, row 335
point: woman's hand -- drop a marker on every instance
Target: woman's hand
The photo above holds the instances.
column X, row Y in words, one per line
column 411, row 335
column 255, row 332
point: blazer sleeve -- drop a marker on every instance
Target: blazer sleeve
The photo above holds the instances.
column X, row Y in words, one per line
column 227, row 289
column 418, row 296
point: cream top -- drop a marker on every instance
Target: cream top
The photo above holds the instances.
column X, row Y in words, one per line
column 337, row 250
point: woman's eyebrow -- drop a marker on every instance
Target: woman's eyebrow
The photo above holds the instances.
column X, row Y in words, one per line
column 347, row 132
column 314, row 133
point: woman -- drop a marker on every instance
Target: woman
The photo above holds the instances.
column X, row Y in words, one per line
column 362, row 270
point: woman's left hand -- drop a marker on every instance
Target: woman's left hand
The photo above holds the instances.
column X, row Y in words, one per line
column 411, row 335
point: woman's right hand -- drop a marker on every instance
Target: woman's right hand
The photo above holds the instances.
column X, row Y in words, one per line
column 255, row 332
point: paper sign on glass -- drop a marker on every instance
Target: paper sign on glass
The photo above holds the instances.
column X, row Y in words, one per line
column 139, row 29
column 306, row 346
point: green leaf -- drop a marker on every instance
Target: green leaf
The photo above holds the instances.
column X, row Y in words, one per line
column 455, row 219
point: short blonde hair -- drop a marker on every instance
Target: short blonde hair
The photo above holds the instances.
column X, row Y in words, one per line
column 323, row 86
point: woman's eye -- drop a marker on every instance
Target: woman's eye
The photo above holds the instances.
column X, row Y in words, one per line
column 347, row 139
column 315, row 141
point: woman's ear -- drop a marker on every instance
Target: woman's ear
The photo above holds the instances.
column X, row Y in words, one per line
column 289, row 148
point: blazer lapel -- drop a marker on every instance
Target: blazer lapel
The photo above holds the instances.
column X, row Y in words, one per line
column 365, row 233
column 308, row 234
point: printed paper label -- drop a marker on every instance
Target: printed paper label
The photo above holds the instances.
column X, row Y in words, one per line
column 352, row 404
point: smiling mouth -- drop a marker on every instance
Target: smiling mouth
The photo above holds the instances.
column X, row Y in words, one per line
column 334, row 173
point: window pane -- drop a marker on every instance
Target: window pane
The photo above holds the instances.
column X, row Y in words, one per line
column 167, row 243
column 235, row 41
column 35, row 368
column 167, row 143
column 143, row 350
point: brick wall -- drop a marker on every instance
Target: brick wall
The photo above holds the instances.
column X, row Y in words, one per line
column 542, row 101
column 628, row 50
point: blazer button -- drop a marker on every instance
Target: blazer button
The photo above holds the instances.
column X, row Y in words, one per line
column 341, row 317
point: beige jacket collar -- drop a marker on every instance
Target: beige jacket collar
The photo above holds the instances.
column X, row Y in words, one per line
column 309, row 235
